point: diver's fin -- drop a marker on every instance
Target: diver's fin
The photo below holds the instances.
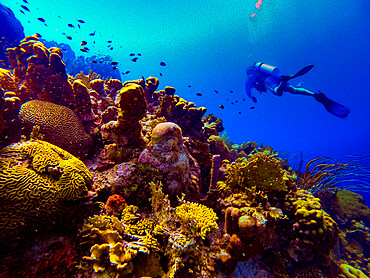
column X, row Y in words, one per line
column 331, row 106
column 303, row 71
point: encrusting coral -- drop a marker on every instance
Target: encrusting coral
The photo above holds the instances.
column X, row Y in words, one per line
column 38, row 181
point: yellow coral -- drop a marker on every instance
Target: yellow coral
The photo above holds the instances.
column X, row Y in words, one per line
column 351, row 272
column 197, row 218
column 35, row 180
column 262, row 170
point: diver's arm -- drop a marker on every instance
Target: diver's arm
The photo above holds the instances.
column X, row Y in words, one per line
column 248, row 87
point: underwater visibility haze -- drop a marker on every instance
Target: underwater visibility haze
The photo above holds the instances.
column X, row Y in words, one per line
column 150, row 183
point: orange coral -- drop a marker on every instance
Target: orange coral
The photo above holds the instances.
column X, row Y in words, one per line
column 59, row 124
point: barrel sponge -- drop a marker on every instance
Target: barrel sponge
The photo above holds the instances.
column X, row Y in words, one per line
column 59, row 125
column 36, row 179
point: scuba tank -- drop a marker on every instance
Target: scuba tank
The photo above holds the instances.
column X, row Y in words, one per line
column 266, row 69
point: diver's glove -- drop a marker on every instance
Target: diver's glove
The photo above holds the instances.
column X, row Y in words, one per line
column 331, row 106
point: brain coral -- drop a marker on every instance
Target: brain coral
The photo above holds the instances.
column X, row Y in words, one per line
column 59, row 125
column 36, row 180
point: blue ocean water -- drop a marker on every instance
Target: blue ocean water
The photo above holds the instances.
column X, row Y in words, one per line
column 207, row 46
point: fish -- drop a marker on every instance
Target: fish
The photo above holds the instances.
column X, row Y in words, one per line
column 189, row 86
column 25, row 1
column 83, row 50
column 216, row 91
column 160, row 74
column 231, row 91
column 59, row 16
column 111, row 48
column 69, row 37
column 25, row 8
column 80, row 20
column 109, row 41
column 114, row 63
column 232, row 103
column 71, row 25
column 139, row 54
column 236, row 101
column 221, row 106
column 114, row 68
column 86, row 48
column 132, row 54
column 243, row 99
column 199, row 94
column 93, row 61
column 162, row 64
column 79, row 27
column 38, row 35
column 127, row 72
column 92, row 34
column 135, row 59
column 22, row 11
column 252, row 107
column 240, row 113
column 83, row 43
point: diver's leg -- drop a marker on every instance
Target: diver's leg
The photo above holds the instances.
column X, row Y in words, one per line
column 298, row 91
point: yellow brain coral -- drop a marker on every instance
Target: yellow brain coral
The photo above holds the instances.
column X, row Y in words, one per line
column 59, row 124
column 36, row 180
column 197, row 218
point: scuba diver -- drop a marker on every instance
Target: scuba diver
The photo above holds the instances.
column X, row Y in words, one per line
column 264, row 78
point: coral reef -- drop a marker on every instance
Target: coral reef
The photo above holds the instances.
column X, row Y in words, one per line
column 39, row 183
column 126, row 132
column 58, row 124
column 170, row 159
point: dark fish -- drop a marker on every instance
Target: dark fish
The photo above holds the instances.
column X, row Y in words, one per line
column 160, row 74
column 232, row 103
column 25, row 1
column 80, row 20
column 69, row 37
column 22, row 11
column 216, row 91
column 59, row 16
column 189, row 86
column 114, row 63
column 25, row 8
column 252, row 107
column 83, row 43
column 139, row 54
column 231, row 91
column 92, row 34
column 243, row 99
column 221, row 106
column 93, row 61
column 109, row 41
column 83, row 50
column 227, row 99
column 41, row 19
column 132, row 54
column 127, row 72
column 79, row 27
column 114, row 68
column 71, row 25
column 135, row 59
column 111, row 48
column 93, row 42
column 199, row 94
column 86, row 48
column 236, row 101
column 162, row 64
column 240, row 113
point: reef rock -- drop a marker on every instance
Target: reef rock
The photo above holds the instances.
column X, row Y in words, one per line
column 167, row 154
